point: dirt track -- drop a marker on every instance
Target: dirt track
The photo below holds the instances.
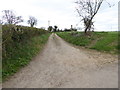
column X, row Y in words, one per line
column 60, row 65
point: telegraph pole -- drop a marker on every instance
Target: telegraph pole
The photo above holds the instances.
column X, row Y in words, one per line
column 48, row 23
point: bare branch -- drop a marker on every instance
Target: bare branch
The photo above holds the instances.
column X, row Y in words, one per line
column 87, row 9
column 10, row 18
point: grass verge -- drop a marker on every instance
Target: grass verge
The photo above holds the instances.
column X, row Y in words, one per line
column 101, row 41
column 22, row 54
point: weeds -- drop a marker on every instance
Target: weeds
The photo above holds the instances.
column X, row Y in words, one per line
column 19, row 47
column 101, row 41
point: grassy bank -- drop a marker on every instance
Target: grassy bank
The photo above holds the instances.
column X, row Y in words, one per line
column 101, row 41
column 20, row 48
column 23, row 53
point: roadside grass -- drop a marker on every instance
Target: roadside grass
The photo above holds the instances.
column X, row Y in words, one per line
column 81, row 41
column 101, row 41
column 22, row 55
column 109, row 43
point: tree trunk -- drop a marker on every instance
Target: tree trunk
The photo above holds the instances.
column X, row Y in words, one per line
column 86, row 30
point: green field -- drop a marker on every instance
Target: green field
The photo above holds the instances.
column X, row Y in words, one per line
column 101, row 41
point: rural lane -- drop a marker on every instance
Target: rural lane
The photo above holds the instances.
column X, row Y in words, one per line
column 62, row 65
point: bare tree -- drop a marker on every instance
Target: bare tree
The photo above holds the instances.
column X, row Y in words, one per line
column 10, row 18
column 32, row 21
column 87, row 9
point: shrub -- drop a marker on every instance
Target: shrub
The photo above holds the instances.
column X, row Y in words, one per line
column 11, row 35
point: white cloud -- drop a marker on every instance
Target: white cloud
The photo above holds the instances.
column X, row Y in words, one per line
column 59, row 12
column 107, row 20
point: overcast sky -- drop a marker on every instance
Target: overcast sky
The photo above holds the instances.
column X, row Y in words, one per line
column 61, row 13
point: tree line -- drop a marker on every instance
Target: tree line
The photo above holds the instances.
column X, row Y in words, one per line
column 56, row 29
column 9, row 17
